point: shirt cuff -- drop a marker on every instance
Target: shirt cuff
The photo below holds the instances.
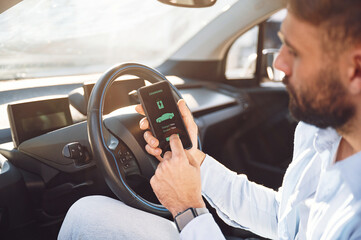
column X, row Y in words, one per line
column 202, row 227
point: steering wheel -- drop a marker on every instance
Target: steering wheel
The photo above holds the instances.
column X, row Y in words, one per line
column 117, row 142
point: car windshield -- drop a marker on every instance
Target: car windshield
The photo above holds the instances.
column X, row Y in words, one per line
column 43, row 38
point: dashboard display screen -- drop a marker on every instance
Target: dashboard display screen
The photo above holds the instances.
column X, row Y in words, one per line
column 44, row 122
column 31, row 119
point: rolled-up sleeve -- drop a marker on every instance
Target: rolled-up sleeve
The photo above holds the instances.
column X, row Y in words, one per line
column 202, row 227
column 239, row 202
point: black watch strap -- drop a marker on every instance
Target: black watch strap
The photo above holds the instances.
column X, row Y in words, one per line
column 183, row 218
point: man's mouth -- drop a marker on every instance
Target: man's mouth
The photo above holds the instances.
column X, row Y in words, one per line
column 290, row 89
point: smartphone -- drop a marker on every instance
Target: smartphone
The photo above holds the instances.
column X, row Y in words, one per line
column 163, row 114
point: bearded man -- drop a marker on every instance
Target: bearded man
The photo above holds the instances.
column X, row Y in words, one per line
column 320, row 197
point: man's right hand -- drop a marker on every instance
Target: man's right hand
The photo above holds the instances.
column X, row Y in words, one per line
column 195, row 156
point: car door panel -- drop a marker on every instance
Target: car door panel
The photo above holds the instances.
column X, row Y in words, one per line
column 257, row 142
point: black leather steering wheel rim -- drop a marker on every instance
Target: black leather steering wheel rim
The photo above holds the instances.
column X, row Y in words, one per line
column 115, row 179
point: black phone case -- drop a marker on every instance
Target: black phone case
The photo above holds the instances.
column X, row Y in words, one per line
column 151, row 121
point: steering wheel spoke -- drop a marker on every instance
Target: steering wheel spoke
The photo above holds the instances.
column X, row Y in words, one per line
column 128, row 143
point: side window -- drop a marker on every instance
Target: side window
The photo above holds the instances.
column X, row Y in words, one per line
column 242, row 56
column 242, row 61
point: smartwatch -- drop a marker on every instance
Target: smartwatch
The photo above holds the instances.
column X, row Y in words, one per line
column 183, row 218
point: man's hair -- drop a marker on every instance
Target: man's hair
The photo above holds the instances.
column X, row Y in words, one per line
column 339, row 19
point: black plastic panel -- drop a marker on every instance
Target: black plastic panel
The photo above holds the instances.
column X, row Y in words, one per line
column 48, row 148
column 15, row 206
column 200, row 70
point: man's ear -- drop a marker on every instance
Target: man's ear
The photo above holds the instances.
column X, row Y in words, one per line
column 354, row 71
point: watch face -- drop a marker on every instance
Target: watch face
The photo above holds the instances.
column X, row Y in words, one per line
column 184, row 218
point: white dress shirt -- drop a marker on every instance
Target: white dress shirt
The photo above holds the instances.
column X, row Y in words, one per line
column 319, row 199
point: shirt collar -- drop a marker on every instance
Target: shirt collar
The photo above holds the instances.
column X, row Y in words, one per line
column 350, row 169
column 325, row 139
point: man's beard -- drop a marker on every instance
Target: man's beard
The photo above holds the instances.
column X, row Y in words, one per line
column 324, row 105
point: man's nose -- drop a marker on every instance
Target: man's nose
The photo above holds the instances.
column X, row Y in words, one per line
column 282, row 63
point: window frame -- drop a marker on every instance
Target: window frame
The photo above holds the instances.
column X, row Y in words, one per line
column 256, row 80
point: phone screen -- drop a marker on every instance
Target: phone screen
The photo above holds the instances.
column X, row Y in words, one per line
column 163, row 114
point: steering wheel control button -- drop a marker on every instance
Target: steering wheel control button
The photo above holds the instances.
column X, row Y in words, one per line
column 124, row 156
column 118, row 155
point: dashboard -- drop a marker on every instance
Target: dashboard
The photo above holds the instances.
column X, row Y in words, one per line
column 58, row 130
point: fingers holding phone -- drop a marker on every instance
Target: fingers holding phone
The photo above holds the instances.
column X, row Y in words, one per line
column 164, row 118
column 152, row 143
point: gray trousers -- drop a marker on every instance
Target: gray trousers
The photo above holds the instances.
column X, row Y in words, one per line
column 99, row 217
